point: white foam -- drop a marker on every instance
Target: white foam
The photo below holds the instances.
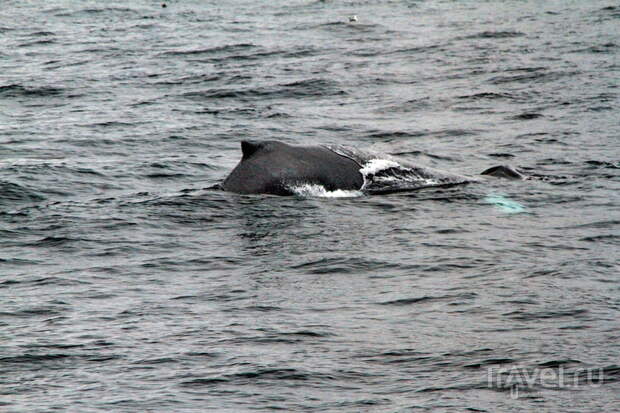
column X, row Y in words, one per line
column 375, row 165
column 313, row 190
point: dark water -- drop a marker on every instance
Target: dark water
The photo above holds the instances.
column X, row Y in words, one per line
column 126, row 286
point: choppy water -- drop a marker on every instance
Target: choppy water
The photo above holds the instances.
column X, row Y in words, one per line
column 126, row 286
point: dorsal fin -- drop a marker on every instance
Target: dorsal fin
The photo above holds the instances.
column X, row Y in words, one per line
column 248, row 148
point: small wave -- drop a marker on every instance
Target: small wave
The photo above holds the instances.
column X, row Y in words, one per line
column 603, row 164
column 411, row 51
column 347, row 26
column 501, row 155
column 240, row 53
column 489, row 362
column 97, row 11
column 204, row 382
column 195, row 79
column 609, row 12
column 108, row 124
column 33, row 358
column 306, row 333
column 526, row 116
column 300, row 89
column 341, row 265
column 394, row 135
column 51, row 242
column 43, row 33
column 426, row 298
column 595, row 224
column 36, row 360
column 15, row 262
column 257, row 374
column 43, row 159
column 516, row 78
column 526, row 75
column 211, row 50
column 165, row 175
column 37, row 42
column 15, row 90
column 11, row 192
column 495, row 35
column 36, row 281
column 602, row 48
column 606, row 239
column 487, row 96
column 558, row 363
column 577, row 313
column 33, row 312
column 408, row 301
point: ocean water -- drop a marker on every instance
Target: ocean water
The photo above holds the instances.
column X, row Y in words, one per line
column 126, row 285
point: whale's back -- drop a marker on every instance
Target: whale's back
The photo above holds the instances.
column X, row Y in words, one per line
column 271, row 167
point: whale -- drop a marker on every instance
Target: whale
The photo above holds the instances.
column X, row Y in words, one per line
column 277, row 168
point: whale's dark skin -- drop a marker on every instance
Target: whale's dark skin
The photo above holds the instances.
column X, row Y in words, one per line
column 272, row 167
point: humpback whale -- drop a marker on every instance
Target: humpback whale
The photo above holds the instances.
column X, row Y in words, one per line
column 273, row 167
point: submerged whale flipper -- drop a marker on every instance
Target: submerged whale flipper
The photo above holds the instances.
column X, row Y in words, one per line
column 272, row 167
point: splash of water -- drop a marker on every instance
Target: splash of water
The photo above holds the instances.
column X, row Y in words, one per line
column 319, row 191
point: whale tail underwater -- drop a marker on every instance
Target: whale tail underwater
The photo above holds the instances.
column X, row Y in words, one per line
column 272, row 167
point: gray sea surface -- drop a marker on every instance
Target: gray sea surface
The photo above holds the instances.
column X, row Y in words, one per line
column 127, row 286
